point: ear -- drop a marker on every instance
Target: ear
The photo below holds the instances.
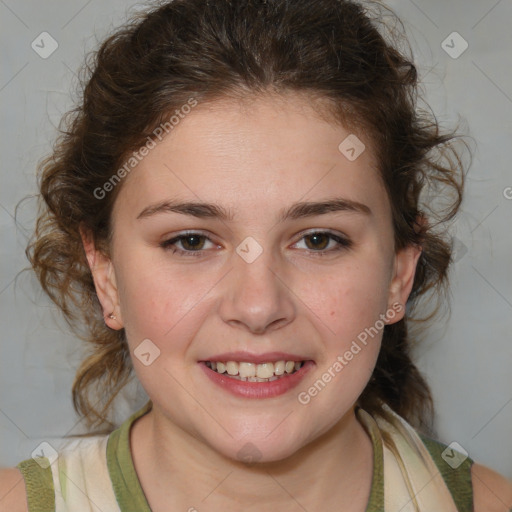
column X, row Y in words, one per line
column 400, row 287
column 104, row 278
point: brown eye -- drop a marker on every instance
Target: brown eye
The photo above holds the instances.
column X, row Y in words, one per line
column 319, row 242
column 192, row 244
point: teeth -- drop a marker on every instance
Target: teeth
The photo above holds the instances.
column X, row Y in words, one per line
column 265, row 370
column 252, row 372
column 279, row 367
column 232, row 368
column 290, row 366
column 247, row 370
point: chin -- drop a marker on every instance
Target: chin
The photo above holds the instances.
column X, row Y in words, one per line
column 254, row 450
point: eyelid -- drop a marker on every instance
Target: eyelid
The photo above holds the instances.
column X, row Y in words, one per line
column 185, row 233
column 343, row 241
column 324, row 231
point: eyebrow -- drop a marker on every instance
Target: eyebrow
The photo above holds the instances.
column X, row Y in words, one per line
column 296, row 211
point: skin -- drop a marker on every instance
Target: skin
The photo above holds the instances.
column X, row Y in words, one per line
column 255, row 159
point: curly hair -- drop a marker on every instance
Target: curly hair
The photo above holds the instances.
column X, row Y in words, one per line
column 334, row 50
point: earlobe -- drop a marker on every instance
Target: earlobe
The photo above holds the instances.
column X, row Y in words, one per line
column 103, row 274
column 406, row 261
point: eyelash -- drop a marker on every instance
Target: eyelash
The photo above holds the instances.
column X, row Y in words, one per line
column 343, row 243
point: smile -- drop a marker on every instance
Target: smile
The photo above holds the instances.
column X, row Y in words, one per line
column 251, row 372
column 251, row 380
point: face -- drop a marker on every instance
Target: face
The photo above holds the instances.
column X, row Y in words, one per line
column 254, row 273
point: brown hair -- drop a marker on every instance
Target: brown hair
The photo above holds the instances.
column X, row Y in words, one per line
column 207, row 49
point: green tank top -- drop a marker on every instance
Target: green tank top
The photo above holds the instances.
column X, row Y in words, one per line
column 130, row 497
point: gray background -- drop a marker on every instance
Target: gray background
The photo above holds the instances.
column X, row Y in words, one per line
column 466, row 358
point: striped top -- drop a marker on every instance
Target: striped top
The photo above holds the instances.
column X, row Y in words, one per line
column 97, row 473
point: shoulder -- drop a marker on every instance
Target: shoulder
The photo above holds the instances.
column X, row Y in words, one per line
column 455, row 468
column 492, row 492
column 13, row 496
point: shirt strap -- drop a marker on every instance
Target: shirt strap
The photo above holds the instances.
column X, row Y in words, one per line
column 39, row 484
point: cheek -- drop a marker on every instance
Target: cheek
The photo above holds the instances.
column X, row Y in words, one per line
column 162, row 302
column 346, row 309
column 346, row 300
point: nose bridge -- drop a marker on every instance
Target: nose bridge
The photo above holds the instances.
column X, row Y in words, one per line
column 255, row 297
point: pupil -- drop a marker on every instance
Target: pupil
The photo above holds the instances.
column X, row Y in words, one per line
column 192, row 237
column 316, row 237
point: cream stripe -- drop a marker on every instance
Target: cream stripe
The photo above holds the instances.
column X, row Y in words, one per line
column 81, row 477
column 428, row 484
column 410, row 474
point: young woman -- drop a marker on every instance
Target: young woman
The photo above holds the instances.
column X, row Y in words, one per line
column 233, row 214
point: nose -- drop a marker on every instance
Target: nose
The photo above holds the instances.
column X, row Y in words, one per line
column 256, row 296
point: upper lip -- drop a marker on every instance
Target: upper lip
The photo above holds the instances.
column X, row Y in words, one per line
column 248, row 357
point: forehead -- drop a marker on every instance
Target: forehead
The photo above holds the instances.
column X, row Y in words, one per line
column 267, row 150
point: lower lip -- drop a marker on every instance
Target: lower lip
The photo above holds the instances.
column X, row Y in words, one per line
column 258, row 389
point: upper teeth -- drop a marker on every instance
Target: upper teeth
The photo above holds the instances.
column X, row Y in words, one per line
column 262, row 371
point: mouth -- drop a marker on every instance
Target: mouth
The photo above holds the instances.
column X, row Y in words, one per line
column 256, row 380
column 252, row 372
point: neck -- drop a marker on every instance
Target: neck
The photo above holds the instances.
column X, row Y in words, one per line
column 175, row 467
